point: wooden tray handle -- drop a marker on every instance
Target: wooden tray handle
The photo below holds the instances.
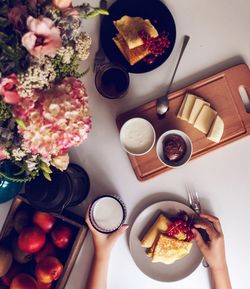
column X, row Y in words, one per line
column 239, row 76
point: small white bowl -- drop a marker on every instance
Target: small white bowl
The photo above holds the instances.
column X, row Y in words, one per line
column 184, row 159
column 137, row 136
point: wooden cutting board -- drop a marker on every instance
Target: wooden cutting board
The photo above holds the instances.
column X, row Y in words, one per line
column 222, row 91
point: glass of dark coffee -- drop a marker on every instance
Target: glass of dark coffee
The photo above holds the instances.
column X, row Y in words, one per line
column 112, row 81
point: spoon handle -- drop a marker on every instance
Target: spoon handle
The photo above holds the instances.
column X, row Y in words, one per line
column 184, row 45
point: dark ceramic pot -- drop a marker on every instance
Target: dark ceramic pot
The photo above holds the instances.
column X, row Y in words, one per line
column 67, row 189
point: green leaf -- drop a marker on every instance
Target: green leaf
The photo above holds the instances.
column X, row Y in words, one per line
column 20, row 123
column 3, row 36
column 45, row 168
column 3, row 22
column 102, row 11
column 47, row 176
column 93, row 14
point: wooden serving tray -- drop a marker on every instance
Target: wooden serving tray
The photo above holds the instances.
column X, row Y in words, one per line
column 222, row 91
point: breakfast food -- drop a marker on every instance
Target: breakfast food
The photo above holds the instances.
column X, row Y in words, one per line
column 216, row 131
column 198, row 112
column 160, row 225
column 205, row 119
column 138, row 39
column 130, row 27
column 174, row 148
column 168, row 241
column 132, row 55
column 167, row 250
column 198, row 104
column 137, row 136
column 185, row 111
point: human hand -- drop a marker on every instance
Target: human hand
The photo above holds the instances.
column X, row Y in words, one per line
column 213, row 250
column 104, row 242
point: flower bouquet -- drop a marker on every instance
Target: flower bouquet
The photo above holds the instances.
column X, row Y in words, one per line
column 43, row 103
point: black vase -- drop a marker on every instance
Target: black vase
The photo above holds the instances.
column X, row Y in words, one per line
column 67, row 189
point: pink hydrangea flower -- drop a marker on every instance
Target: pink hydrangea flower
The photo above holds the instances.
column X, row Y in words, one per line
column 59, row 120
column 8, row 89
column 43, row 37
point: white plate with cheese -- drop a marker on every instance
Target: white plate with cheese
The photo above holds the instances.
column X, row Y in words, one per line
column 159, row 271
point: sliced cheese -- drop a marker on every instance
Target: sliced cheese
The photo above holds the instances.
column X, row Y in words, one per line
column 187, row 108
column 181, row 108
column 216, row 130
column 205, row 119
column 199, row 102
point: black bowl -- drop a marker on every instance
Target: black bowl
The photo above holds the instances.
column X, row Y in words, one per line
column 155, row 11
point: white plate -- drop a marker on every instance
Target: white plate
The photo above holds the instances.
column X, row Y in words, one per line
column 159, row 271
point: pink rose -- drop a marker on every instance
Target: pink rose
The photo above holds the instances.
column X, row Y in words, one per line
column 15, row 15
column 4, row 155
column 62, row 4
column 43, row 39
column 60, row 162
column 8, row 89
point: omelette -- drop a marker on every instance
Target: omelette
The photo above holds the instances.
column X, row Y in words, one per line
column 162, row 248
column 128, row 40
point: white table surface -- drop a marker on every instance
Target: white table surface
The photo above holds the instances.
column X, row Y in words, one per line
column 220, row 38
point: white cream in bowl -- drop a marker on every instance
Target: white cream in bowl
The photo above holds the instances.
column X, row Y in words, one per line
column 137, row 136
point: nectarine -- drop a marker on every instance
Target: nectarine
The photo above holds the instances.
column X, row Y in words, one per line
column 48, row 270
column 44, row 220
column 31, row 239
column 23, row 281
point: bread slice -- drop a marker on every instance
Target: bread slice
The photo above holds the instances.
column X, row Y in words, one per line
column 132, row 55
column 167, row 250
column 160, row 225
column 130, row 27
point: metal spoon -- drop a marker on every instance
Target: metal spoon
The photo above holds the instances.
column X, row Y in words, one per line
column 162, row 103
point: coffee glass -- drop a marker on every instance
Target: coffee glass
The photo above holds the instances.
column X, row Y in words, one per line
column 112, row 80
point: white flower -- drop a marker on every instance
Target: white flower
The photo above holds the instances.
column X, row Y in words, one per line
column 82, row 47
column 18, row 154
column 32, row 163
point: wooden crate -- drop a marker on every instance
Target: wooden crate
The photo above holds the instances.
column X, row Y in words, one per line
column 75, row 221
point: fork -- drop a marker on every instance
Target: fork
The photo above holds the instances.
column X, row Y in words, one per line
column 100, row 56
column 194, row 202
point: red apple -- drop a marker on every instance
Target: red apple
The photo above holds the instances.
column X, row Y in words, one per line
column 48, row 270
column 23, row 281
column 31, row 239
column 15, row 269
column 44, row 220
column 48, row 250
column 61, row 235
